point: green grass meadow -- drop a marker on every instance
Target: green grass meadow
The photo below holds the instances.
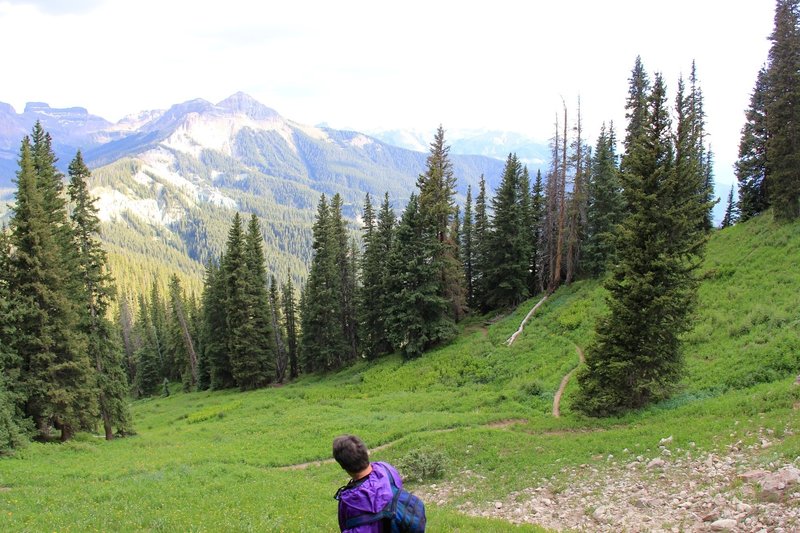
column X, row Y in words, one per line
column 215, row 461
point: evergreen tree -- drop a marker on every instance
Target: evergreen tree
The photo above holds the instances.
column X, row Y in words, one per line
column 12, row 426
column 323, row 342
column 577, row 204
column 373, row 261
column 417, row 313
column 480, row 230
column 636, row 356
column 97, row 293
column 215, row 360
column 344, row 262
column 290, row 326
column 506, row 267
column 262, row 340
column 731, row 212
column 437, row 208
column 468, row 250
column 606, row 207
column 751, row 167
column 57, row 374
column 536, row 282
column 281, row 357
column 783, row 112
column 158, row 332
column 181, row 336
column 148, row 364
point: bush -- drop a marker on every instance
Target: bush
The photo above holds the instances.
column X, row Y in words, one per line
column 419, row 465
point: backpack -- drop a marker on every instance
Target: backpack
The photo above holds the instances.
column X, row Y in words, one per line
column 405, row 512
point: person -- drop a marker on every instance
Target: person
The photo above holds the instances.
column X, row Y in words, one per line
column 369, row 489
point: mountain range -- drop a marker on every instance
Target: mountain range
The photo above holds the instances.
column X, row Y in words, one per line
column 169, row 181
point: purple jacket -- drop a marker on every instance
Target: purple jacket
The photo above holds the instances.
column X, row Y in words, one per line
column 367, row 495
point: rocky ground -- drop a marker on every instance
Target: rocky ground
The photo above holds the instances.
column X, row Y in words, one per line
column 678, row 490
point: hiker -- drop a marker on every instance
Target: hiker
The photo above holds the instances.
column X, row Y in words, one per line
column 366, row 502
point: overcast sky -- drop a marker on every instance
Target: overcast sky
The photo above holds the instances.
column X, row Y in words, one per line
column 366, row 65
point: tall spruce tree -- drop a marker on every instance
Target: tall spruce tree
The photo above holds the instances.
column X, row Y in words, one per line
column 577, row 201
column 263, row 338
column 371, row 314
column 57, row 375
column 417, row 315
column 103, row 348
column 437, row 208
column 731, row 212
column 148, row 364
column 480, row 230
column 506, row 267
column 290, row 326
column 636, row 358
column 12, row 423
column 180, row 336
column 324, row 343
column 605, row 209
column 468, row 250
column 281, row 356
column 536, row 282
column 215, row 330
column 344, row 262
column 783, row 111
column 751, row 167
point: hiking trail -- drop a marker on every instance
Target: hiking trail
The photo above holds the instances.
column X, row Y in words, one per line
column 564, row 381
column 513, row 337
column 497, row 424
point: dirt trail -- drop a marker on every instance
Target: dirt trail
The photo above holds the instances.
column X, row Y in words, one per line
column 513, row 337
column 498, row 424
column 564, row 381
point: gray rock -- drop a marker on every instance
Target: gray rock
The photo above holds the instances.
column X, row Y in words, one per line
column 656, row 463
column 723, row 524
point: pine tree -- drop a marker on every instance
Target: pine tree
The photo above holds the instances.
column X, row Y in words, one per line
column 751, row 167
column 480, row 230
column 468, row 250
column 324, row 344
column 263, row 339
column 536, row 281
column 577, row 204
column 57, row 375
column 636, row 356
column 12, row 426
column 783, row 111
column 103, row 348
column 148, row 364
column 605, row 209
column 731, row 212
column 281, row 357
column 437, row 208
column 417, row 313
column 290, row 326
column 158, row 332
column 506, row 266
column 181, row 337
column 371, row 314
column 215, row 356
column 344, row 262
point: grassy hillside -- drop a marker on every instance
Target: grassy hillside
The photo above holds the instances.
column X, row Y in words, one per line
column 214, row 461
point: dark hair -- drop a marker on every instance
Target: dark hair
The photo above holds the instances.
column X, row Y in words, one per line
column 351, row 453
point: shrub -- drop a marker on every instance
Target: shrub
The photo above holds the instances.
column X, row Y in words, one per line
column 419, row 465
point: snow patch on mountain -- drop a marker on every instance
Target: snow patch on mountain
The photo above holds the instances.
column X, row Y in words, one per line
column 360, row 141
column 112, row 204
column 313, row 132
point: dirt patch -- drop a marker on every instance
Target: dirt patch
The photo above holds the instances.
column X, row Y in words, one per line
column 502, row 424
column 5, row 489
